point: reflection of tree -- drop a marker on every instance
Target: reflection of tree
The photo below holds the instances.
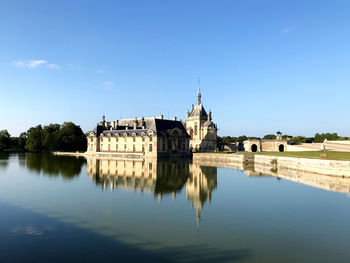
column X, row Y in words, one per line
column 4, row 157
column 52, row 165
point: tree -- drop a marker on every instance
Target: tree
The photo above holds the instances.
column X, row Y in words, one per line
column 269, row 137
column 5, row 141
column 22, row 140
column 71, row 138
column 50, row 137
column 34, row 139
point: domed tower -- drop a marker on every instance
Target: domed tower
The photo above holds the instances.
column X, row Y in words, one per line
column 200, row 127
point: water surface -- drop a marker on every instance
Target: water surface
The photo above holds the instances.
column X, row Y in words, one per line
column 58, row 209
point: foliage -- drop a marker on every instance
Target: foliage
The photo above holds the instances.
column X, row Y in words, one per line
column 329, row 136
column 5, row 141
column 50, row 137
column 34, row 139
column 269, row 137
column 71, row 138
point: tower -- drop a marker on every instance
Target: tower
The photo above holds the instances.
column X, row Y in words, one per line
column 200, row 127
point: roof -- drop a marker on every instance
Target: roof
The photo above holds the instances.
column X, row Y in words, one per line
column 199, row 111
column 160, row 125
column 153, row 124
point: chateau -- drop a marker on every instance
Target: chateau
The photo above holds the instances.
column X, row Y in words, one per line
column 155, row 136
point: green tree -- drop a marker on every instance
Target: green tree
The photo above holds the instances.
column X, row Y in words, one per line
column 269, row 137
column 71, row 138
column 22, row 140
column 34, row 139
column 5, row 140
column 51, row 137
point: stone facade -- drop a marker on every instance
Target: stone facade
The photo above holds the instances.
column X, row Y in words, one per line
column 257, row 145
column 152, row 137
column 202, row 130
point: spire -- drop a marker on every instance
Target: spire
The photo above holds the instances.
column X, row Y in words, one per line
column 199, row 92
column 209, row 115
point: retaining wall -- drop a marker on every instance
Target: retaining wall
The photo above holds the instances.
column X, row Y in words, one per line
column 325, row 167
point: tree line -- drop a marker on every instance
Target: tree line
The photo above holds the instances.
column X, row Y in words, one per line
column 318, row 138
column 54, row 137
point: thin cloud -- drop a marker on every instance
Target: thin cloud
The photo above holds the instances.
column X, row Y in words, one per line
column 35, row 63
column 109, row 84
column 288, row 29
column 53, row 66
column 100, row 71
column 30, row 64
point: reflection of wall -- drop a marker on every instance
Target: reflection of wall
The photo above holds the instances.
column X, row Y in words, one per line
column 156, row 176
column 326, row 182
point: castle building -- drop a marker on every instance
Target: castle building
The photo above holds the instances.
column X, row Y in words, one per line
column 150, row 137
column 155, row 136
column 200, row 127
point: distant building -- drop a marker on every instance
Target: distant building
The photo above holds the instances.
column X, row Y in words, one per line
column 266, row 145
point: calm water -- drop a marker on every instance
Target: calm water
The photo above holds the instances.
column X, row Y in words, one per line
column 60, row 209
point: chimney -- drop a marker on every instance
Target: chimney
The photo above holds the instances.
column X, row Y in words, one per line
column 161, row 116
column 174, row 118
column 113, row 125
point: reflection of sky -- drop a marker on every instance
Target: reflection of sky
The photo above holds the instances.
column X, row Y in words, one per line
column 274, row 219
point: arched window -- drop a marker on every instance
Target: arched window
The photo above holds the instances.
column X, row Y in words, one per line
column 195, row 129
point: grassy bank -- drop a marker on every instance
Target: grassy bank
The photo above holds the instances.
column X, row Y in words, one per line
column 326, row 155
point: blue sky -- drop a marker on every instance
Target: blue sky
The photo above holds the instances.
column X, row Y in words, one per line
column 264, row 65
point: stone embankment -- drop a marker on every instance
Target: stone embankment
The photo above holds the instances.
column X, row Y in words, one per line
column 239, row 161
column 101, row 155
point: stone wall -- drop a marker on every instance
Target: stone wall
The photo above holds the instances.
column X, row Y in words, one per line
column 325, row 167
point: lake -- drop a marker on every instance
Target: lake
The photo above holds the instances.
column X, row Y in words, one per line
column 60, row 209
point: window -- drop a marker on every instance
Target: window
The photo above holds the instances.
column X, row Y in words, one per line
column 169, row 144
column 125, row 148
column 143, row 138
column 134, row 139
column 101, row 147
column 116, row 138
column 150, row 147
column 133, row 148
column 180, row 145
column 109, row 139
column 109, row 147
column 143, row 148
column 163, row 145
column 150, row 138
column 195, row 129
column 116, row 147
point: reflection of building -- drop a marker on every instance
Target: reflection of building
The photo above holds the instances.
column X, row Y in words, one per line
column 160, row 177
column 200, row 184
